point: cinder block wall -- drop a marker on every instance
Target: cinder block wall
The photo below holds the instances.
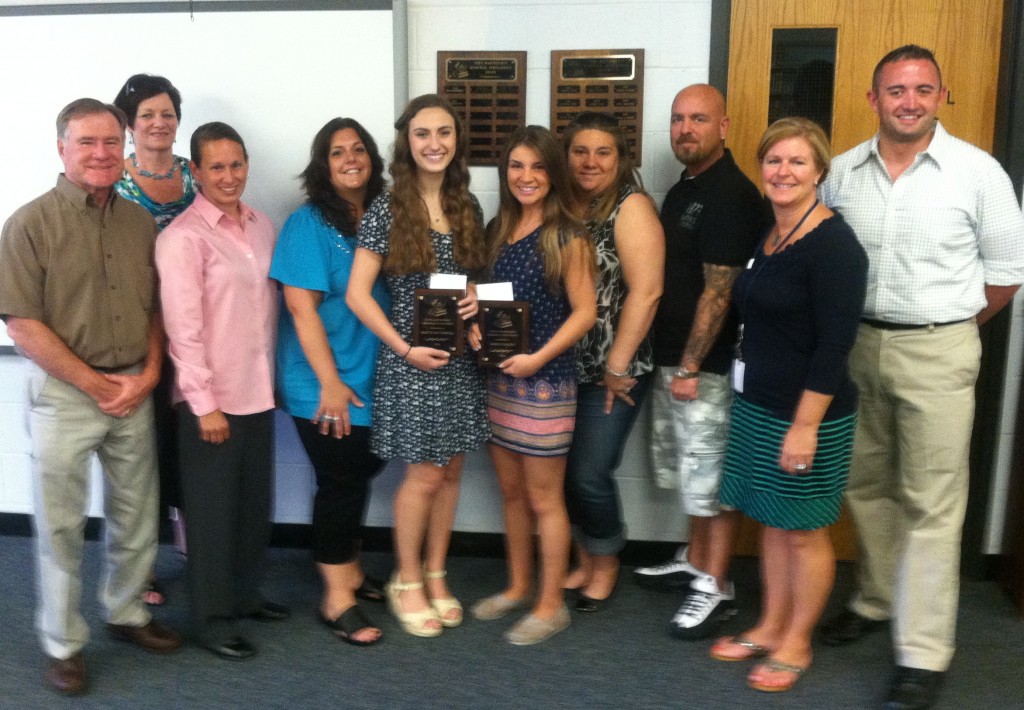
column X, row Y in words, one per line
column 675, row 36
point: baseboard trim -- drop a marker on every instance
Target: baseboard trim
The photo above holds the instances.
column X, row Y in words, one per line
column 376, row 539
column 464, row 544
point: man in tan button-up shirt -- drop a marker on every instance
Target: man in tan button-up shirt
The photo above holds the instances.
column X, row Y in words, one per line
column 77, row 294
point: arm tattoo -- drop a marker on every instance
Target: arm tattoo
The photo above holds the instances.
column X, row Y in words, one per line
column 711, row 312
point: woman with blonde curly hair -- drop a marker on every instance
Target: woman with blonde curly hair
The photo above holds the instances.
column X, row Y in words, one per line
column 428, row 404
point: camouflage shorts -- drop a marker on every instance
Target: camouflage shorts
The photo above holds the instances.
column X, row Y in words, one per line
column 688, row 439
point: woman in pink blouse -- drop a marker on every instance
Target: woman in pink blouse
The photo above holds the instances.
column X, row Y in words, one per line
column 220, row 313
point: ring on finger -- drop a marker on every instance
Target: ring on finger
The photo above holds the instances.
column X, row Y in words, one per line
column 800, row 467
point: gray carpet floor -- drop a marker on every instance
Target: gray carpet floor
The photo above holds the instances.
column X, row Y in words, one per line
column 620, row 658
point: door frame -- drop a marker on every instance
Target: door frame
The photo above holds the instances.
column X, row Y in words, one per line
column 1009, row 142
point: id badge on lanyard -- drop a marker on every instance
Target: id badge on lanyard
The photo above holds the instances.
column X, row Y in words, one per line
column 738, row 366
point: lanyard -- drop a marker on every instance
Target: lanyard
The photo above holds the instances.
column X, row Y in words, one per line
column 778, row 247
column 760, row 250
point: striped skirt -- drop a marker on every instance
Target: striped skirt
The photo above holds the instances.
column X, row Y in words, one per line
column 531, row 416
column 753, row 482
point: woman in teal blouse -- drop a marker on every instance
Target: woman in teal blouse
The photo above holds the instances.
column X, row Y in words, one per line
column 326, row 360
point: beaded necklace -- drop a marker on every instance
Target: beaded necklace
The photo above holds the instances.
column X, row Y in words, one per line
column 155, row 176
column 343, row 242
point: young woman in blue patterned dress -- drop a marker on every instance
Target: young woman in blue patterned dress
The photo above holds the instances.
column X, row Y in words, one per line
column 428, row 406
column 542, row 248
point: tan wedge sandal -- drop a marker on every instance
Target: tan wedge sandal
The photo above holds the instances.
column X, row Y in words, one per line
column 443, row 606
column 413, row 622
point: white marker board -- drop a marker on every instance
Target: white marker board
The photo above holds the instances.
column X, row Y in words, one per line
column 277, row 76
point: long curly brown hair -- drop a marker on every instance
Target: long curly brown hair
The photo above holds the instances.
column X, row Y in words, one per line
column 410, row 249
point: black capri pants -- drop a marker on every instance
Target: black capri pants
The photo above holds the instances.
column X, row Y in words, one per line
column 344, row 468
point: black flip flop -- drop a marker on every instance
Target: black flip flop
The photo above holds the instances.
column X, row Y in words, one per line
column 371, row 590
column 349, row 622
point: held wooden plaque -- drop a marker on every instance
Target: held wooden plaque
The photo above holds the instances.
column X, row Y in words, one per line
column 504, row 330
column 436, row 322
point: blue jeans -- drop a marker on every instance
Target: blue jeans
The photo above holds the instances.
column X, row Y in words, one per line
column 591, row 494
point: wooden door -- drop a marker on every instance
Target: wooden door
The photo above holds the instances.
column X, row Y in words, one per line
column 964, row 34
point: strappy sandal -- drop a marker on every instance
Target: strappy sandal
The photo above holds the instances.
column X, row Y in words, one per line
column 349, row 623
column 749, row 649
column 413, row 622
column 773, row 668
column 443, row 606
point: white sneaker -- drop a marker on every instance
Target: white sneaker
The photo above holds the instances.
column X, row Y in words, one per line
column 677, row 573
column 703, row 609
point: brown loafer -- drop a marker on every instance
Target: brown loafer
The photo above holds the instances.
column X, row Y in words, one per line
column 153, row 637
column 67, row 675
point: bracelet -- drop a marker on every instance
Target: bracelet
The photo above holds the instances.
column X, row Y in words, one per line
column 407, row 353
column 684, row 374
column 613, row 373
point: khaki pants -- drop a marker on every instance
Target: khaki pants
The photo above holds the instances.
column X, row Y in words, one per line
column 908, row 482
column 66, row 427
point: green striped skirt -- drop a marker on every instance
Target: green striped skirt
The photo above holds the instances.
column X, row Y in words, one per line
column 753, row 482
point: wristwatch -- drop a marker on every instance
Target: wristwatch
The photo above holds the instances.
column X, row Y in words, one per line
column 684, row 374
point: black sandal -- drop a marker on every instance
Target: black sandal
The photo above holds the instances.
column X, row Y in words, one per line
column 371, row 590
column 350, row 622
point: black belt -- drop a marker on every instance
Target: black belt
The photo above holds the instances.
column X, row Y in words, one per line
column 885, row 325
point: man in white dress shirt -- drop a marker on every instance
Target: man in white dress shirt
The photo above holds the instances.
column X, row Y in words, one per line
column 944, row 234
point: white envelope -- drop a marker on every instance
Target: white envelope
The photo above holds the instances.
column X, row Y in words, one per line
column 454, row 282
column 498, row 291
